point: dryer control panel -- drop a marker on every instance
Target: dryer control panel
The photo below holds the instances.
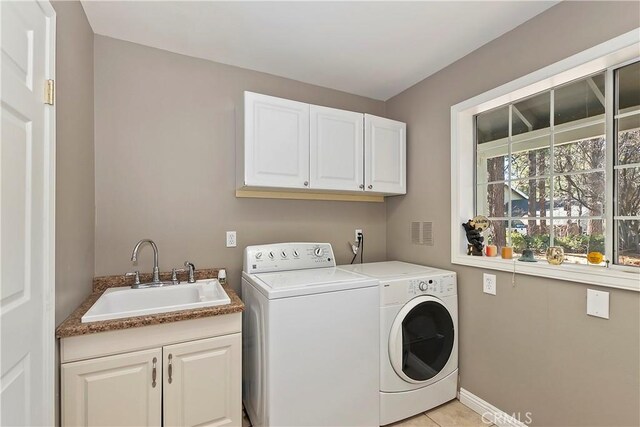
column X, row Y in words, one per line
column 287, row 257
column 401, row 291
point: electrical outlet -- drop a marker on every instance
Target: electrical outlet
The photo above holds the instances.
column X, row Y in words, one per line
column 358, row 231
column 489, row 284
column 231, row 239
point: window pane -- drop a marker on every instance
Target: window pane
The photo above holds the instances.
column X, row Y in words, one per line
column 580, row 194
column 579, row 100
column 628, row 147
column 528, row 160
column 578, row 238
column 581, row 155
column 628, row 191
column 531, row 114
column 492, row 169
column 629, row 86
column 532, row 234
column 492, row 125
column 530, row 198
column 492, row 200
column 497, row 233
column 628, row 247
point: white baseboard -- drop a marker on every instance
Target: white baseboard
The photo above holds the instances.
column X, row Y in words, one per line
column 490, row 414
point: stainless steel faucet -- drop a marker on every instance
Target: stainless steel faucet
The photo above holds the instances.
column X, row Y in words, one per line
column 192, row 271
column 134, row 257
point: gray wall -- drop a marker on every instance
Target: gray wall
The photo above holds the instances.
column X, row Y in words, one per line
column 531, row 347
column 74, row 158
column 75, row 201
column 167, row 128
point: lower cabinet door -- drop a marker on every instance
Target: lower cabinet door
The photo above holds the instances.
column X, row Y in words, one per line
column 203, row 383
column 121, row 390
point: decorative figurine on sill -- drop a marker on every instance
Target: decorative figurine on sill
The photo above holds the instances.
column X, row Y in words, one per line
column 527, row 254
column 473, row 228
column 555, row 255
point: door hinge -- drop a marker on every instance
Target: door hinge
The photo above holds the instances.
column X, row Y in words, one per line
column 49, row 92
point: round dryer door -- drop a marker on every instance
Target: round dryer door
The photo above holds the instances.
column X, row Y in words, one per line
column 421, row 339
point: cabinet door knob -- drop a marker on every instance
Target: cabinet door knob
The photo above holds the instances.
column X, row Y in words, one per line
column 154, row 372
column 361, row 186
column 370, row 186
column 170, row 369
column 306, row 183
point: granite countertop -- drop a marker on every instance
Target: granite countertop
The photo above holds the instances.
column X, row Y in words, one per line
column 73, row 325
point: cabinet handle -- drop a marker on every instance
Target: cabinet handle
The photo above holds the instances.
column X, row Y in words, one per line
column 306, row 183
column 361, row 186
column 153, row 373
column 370, row 187
column 170, row 368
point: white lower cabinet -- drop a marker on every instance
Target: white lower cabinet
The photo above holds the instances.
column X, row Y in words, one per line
column 200, row 384
column 113, row 390
column 195, row 382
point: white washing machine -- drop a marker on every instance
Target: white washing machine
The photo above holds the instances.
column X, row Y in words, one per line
column 418, row 337
column 310, row 339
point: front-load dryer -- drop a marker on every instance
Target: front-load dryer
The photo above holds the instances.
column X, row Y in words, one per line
column 418, row 337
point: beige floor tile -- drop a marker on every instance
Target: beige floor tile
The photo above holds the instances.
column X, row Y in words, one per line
column 455, row 414
column 420, row 420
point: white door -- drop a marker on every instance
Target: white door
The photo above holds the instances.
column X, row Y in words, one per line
column 203, row 382
column 276, row 148
column 27, row 223
column 385, row 154
column 336, row 149
column 121, row 390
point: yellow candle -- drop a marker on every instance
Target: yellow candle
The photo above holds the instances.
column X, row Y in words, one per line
column 507, row 252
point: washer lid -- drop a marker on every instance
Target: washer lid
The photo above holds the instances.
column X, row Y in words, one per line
column 306, row 282
column 392, row 269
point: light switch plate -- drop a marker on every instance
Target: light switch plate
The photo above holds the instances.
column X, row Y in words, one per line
column 598, row 303
column 489, row 283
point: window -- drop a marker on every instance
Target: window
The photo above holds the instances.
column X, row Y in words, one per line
column 626, row 162
column 540, row 170
column 553, row 159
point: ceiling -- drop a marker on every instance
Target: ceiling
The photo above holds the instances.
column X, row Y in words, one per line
column 373, row 49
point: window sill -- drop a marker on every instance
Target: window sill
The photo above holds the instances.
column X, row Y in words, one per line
column 588, row 274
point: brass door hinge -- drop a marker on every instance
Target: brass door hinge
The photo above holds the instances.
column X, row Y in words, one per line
column 49, row 92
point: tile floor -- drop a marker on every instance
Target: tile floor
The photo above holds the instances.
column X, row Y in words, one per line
column 451, row 414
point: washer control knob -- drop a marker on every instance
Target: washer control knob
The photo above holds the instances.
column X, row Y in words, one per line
column 423, row 286
column 271, row 255
column 295, row 254
column 258, row 255
column 284, row 254
column 318, row 252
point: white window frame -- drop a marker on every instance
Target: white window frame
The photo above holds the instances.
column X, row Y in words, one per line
column 603, row 56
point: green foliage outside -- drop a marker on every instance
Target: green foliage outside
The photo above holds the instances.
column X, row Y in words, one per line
column 580, row 244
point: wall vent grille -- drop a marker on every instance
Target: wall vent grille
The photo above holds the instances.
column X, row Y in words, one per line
column 422, row 233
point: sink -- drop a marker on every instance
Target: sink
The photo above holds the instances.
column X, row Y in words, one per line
column 116, row 303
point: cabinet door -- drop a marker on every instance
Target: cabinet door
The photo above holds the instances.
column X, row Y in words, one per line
column 336, row 149
column 385, row 154
column 113, row 390
column 203, row 382
column 276, row 142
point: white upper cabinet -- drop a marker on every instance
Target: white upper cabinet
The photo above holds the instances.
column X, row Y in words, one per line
column 336, row 149
column 385, row 159
column 276, row 146
column 297, row 146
